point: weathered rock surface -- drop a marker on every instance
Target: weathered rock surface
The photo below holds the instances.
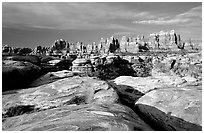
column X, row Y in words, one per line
column 147, row 84
column 74, row 103
column 56, row 65
column 45, row 59
column 17, row 74
column 51, row 77
column 112, row 68
column 73, row 90
column 28, row 58
column 173, row 108
column 182, row 65
column 88, row 117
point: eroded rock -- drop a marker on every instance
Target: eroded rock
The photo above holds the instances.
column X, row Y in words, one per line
column 51, row 77
column 173, row 108
column 18, row 74
column 74, row 90
column 103, row 117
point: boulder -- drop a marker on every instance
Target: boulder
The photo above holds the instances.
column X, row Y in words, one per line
column 177, row 108
column 74, row 103
column 18, row 74
column 28, row 58
column 73, row 90
column 130, row 89
column 54, row 62
column 45, row 59
column 56, row 65
column 51, row 77
column 146, row 84
column 88, row 117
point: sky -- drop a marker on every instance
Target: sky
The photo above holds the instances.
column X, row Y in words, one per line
column 41, row 23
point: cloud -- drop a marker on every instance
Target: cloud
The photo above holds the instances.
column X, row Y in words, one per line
column 193, row 17
column 68, row 15
column 194, row 12
column 163, row 22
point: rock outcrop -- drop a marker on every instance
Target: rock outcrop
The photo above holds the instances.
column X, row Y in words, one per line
column 113, row 67
column 181, row 65
column 163, row 101
column 173, row 108
column 97, row 117
column 51, row 77
column 28, row 58
column 75, row 103
column 18, row 74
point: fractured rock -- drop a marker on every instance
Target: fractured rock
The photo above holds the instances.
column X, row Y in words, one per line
column 173, row 108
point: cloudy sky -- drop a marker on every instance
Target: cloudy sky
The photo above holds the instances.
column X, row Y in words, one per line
column 32, row 24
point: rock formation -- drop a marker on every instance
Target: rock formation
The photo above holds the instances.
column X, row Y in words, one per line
column 73, row 103
column 18, row 74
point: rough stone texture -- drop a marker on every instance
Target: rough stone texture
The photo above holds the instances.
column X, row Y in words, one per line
column 173, row 108
column 28, row 58
column 142, row 67
column 114, row 68
column 45, row 59
column 51, row 77
column 182, row 65
column 147, row 84
column 88, row 117
column 74, row 103
column 17, row 74
column 74, row 90
column 132, row 47
column 56, row 65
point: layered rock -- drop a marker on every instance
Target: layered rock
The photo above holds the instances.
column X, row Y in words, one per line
column 51, row 77
column 28, row 58
column 103, row 117
column 163, row 101
column 56, row 65
column 73, row 103
column 73, row 90
column 173, row 108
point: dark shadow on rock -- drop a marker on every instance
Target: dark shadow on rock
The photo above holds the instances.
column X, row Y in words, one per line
column 9, row 92
column 127, row 94
column 157, row 119
column 161, row 121
column 13, row 78
column 19, row 110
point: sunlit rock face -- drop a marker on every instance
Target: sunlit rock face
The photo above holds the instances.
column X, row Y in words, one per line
column 173, row 108
column 75, row 103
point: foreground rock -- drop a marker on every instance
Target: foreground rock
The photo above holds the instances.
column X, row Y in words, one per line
column 74, row 103
column 164, row 101
column 18, row 74
column 88, row 117
column 74, row 90
column 173, row 108
column 146, row 84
